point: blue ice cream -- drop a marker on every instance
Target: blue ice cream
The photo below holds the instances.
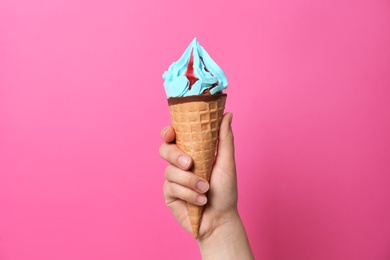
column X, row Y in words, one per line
column 195, row 73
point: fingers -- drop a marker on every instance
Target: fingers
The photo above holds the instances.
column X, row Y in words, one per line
column 185, row 186
column 180, row 184
column 171, row 153
column 173, row 191
column 168, row 134
column 186, row 179
column 175, row 156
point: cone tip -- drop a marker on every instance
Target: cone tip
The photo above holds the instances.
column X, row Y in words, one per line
column 195, row 231
column 196, row 235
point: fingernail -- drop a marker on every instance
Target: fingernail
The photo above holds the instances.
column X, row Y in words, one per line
column 184, row 161
column 202, row 186
column 201, row 200
column 231, row 119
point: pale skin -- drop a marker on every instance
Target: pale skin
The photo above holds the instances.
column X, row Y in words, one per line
column 222, row 234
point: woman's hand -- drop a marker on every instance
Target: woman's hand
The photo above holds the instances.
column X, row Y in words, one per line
column 220, row 222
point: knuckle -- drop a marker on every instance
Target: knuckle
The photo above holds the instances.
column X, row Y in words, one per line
column 162, row 150
column 167, row 172
column 165, row 189
column 171, row 189
column 231, row 137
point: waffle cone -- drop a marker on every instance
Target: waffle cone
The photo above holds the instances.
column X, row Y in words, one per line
column 196, row 120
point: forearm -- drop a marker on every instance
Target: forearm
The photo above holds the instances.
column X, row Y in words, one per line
column 227, row 242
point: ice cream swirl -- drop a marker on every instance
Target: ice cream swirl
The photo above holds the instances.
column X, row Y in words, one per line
column 195, row 73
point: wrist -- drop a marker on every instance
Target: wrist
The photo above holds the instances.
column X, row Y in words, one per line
column 227, row 241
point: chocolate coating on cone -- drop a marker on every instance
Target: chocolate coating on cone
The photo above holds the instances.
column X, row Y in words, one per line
column 204, row 98
column 196, row 121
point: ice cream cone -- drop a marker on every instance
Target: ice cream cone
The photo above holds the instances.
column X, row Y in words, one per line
column 196, row 120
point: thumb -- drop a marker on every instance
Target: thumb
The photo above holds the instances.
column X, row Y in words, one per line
column 225, row 155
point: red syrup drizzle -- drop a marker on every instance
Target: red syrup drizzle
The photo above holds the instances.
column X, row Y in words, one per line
column 190, row 71
column 191, row 75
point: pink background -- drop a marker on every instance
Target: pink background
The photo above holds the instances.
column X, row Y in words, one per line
column 82, row 105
